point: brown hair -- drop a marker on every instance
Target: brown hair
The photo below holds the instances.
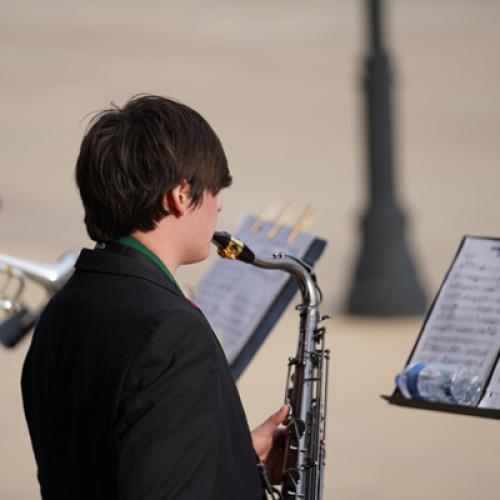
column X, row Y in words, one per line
column 131, row 157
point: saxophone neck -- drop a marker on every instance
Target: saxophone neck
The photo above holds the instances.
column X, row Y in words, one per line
column 297, row 268
column 231, row 248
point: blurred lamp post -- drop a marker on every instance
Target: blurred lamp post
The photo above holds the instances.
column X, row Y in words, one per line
column 385, row 281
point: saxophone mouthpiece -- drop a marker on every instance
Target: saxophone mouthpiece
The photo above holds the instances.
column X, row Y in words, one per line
column 231, row 248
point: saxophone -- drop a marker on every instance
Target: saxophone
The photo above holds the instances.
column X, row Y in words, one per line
column 306, row 380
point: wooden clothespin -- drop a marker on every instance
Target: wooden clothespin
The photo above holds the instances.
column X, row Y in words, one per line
column 284, row 218
column 305, row 220
column 270, row 211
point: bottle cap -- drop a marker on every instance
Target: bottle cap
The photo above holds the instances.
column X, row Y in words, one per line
column 412, row 373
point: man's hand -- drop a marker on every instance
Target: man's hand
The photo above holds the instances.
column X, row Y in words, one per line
column 269, row 442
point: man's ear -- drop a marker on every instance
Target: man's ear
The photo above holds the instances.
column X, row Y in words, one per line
column 177, row 200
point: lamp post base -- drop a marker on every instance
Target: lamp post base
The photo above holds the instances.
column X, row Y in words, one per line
column 385, row 281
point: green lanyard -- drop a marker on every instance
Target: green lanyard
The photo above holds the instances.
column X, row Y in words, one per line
column 137, row 245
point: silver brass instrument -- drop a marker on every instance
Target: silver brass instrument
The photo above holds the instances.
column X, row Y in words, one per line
column 19, row 319
column 307, row 377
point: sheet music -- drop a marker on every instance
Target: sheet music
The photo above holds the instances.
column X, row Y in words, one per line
column 235, row 296
column 464, row 325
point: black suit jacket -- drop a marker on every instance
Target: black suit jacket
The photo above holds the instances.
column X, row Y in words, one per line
column 128, row 395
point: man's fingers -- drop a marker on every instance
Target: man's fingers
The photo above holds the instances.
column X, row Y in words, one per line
column 274, row 420
column 278, row 417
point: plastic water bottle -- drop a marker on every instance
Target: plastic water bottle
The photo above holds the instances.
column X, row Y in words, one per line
column 456, row 384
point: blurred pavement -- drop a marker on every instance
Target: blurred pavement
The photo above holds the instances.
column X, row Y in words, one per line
column 279, row 82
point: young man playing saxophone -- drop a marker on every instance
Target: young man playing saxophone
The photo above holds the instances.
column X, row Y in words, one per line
column 126, row 389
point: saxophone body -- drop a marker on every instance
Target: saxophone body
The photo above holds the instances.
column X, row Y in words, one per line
column 307, row 377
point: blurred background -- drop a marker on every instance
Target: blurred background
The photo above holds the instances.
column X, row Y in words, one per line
column 280, row 83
